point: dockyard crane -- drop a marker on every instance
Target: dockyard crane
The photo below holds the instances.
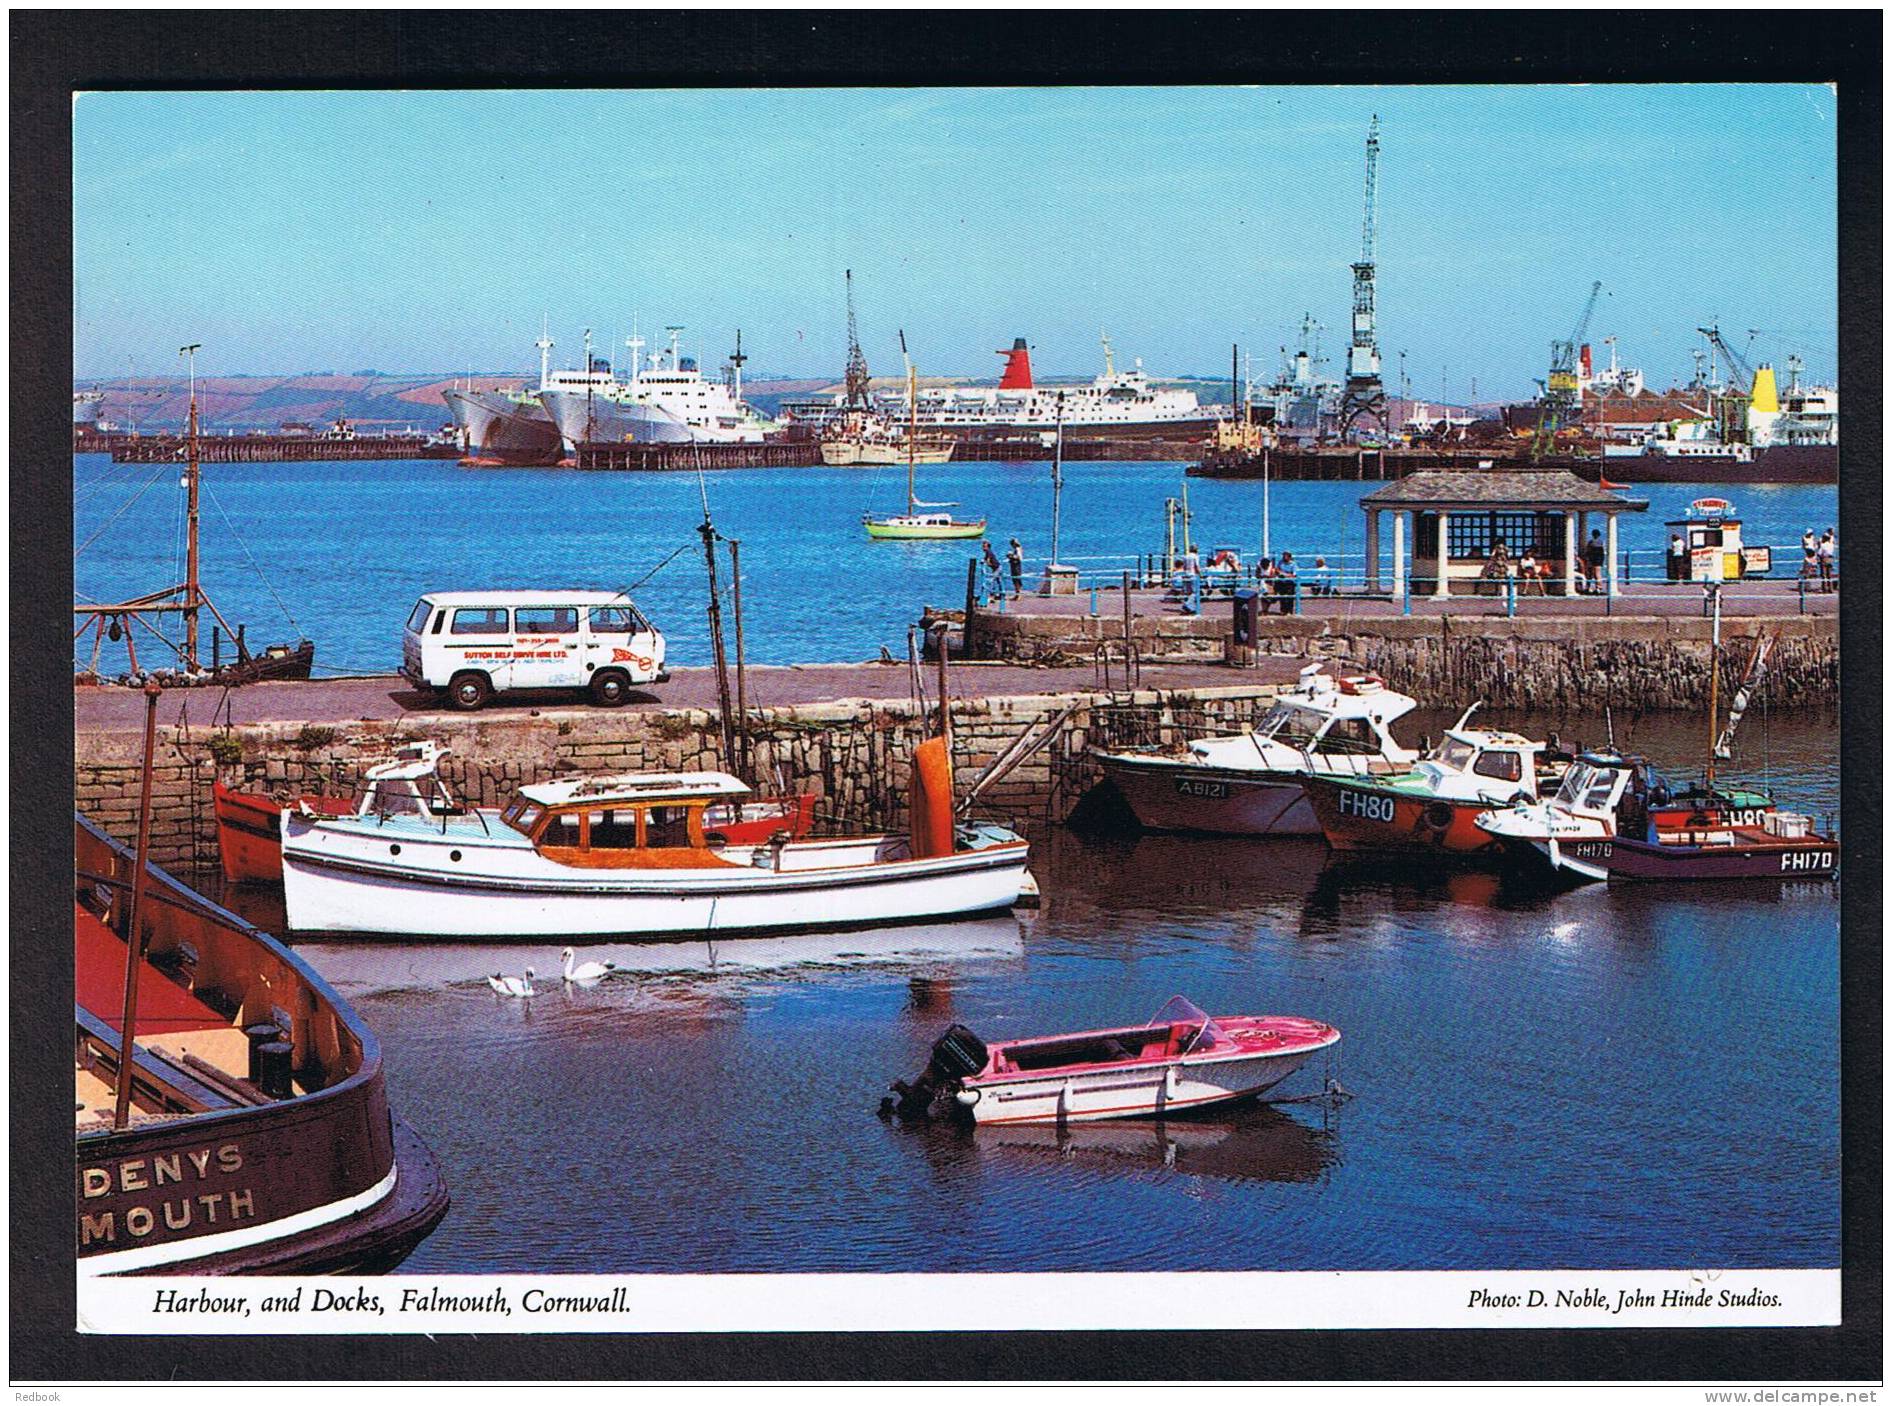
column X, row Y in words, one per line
column 1563, row 390
column 1364, row 397
column 1737, row 364
column 856, row 379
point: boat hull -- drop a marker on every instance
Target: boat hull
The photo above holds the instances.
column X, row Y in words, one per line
column 499, row 430
column 325, row 1181
column 593, row 419
column 1152, row 1091
column 336, row 880
column 1166, row 795
column 1361, row 816
column 1785, row 861
column 923, row 532
column 1774, row 463
column 848, row 453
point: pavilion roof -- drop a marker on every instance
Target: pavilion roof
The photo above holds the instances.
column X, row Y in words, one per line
column 1507, row 488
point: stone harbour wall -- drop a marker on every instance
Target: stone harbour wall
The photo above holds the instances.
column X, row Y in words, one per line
column 853, row 754
column 1546, row 663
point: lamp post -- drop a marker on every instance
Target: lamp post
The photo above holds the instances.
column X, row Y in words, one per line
column 1057, row 481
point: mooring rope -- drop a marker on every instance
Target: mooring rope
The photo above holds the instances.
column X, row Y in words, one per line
column 123, row 509
column 280, row 605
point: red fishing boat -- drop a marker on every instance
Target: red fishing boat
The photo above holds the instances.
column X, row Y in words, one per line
column 1433, row 809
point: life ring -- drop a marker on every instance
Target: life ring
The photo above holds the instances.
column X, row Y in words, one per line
column 1362, row 683
column 1438, row 815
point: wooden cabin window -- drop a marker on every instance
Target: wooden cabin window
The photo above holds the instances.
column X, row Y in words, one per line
column 667, row 827
column 565, row 829
column 613, row 829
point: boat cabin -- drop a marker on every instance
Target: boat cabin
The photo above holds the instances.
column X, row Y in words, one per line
column 633, row 820
column 1350, row 715
column 1477, row 761
column 1706, row 545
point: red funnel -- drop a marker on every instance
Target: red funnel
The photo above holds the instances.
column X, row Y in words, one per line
column 1017, row 375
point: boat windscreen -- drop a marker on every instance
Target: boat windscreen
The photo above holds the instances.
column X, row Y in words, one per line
column 1180, row 1010
column 1295, row 727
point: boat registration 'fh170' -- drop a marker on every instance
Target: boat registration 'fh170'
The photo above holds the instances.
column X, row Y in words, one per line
column 634, row 855
column 1181, row 1059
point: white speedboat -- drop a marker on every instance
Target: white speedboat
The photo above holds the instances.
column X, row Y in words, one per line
column 1180, row 1059
column 598, row 857
column 1250, row 784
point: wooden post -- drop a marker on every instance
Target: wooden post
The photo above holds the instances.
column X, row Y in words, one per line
column 945, row 699
column 742, row 690
column 972, row 587
column 708, row 532
column 134, row 939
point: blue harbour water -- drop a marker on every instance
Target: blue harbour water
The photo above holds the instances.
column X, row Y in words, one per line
column 1618, row 1076
column 1631, row 1076
column 347, row 547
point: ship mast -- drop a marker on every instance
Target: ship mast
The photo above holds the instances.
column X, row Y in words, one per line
column 193, row 592
column 1714, row 680
column 545, row 344
column 913, row 419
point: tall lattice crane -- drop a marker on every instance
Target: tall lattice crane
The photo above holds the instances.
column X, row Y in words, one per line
column 1364, row 397
column 1563, row 390
column 856, row 379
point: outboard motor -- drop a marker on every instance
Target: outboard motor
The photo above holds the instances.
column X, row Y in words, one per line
column 956, row 1054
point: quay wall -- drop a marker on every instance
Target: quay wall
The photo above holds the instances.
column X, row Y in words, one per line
column 853, row 754
column 1549, row 662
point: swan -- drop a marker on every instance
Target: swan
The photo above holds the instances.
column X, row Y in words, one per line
column 587, row 972
column 513, row 985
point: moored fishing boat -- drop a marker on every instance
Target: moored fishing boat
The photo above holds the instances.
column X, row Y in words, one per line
column 1251, row 784
column 1433, row 808
column 598, row 857
column 1180, row 1059
column 249, row 824
column 256, row 1136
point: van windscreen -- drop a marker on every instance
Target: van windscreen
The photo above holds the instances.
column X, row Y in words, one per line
column 418, row 617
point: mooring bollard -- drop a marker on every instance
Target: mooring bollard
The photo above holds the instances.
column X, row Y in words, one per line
column 1093, row 602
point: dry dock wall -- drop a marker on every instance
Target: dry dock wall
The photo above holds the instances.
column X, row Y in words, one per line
column 1548, row 663
column 853, row 754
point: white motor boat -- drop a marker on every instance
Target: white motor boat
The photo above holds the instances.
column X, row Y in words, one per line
column 1250, row 784
column 1180, row 1059
column 598, row 857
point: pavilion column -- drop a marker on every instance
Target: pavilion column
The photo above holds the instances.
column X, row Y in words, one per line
column 1570, row 553
column 1441, row 586
column 1399, row 553
column 1609, row 529
column 1372, row 550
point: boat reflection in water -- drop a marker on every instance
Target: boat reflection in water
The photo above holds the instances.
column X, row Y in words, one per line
column 1258, row 1144
column 365, row 967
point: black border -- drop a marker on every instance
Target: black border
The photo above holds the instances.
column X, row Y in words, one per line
column 56, row 53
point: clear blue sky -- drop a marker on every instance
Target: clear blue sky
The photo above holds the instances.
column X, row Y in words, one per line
column 430, row 231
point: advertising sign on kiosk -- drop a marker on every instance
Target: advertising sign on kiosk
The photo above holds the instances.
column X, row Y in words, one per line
column 1712, row 548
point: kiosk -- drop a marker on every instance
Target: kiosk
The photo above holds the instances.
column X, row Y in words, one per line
column 1711, row 548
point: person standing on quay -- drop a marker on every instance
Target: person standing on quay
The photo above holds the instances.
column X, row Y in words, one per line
column 1285, row 584
column 1809, row 552
column 1595, row 555
column 995, row 575
column 1016, row 559
column 1825, row 553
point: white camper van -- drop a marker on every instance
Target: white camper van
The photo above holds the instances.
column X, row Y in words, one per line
column 470, row 645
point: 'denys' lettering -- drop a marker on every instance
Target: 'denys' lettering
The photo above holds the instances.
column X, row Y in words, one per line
column 189, row 1208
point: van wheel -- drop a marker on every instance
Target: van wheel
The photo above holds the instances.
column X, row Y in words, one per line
column 468, row 691
column 610, row 689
